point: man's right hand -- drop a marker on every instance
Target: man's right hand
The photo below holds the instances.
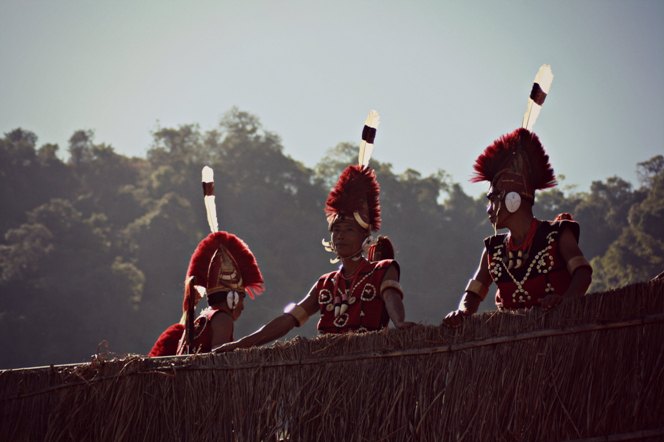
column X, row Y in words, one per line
column 229, row 346
column 454, row 319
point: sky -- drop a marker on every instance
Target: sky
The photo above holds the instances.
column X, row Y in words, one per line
column 448, row 77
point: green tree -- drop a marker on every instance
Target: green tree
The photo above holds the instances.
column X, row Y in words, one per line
column 63, row 291
column 638, row 253
column 28, row 176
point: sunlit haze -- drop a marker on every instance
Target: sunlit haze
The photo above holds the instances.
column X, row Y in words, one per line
column 447, row 77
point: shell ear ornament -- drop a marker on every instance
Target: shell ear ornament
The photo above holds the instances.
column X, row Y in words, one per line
column 512, row 202
column 232, row 299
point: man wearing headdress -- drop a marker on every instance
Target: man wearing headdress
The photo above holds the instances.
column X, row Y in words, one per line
column 362, row 295
column 222, row 268
column 537, row 263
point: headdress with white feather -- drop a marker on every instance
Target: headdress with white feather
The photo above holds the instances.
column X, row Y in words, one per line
column 517, row 161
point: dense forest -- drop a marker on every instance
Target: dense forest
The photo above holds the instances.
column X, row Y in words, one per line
column 94, row 248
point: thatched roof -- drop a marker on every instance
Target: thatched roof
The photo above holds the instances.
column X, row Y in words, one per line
column 591, row 369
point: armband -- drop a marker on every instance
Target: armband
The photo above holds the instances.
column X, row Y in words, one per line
column 391, row 284
column 474, row 286
column 578, row 261
column 299, row 313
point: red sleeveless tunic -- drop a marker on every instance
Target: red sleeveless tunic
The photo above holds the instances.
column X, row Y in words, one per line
column 543, row 270
column 366, row 309
column 203, row 331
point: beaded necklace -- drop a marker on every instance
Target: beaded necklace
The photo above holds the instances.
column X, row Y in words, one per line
column 542, row 261
column 341, row 297
column 518, row 255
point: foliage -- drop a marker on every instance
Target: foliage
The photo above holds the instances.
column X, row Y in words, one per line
column 95, row 247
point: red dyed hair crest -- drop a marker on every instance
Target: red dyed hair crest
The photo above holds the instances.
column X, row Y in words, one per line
column 357, row 192
column 517, row 158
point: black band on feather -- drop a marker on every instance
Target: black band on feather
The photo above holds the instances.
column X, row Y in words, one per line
column 369, row 134
column 208, row 189
column 537, row 94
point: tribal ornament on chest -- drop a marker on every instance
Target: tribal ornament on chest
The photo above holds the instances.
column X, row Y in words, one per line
column 339, row 302
column 542, row 263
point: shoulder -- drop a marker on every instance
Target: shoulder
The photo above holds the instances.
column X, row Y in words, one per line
column 560, row 226
column 208, row 313
column 220, row 319
column 386, row 268
column 385, row 263
column 495, row 240
column 325, row 278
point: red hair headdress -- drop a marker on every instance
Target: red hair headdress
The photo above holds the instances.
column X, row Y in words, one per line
column 516, row 162
column 223, row 262
column 355, row 196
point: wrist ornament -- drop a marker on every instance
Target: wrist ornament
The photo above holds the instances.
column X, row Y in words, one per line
column 478, row 288
column 576, row 262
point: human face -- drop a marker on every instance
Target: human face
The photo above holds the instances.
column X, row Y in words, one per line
column 237, row 311
column 347, row 237
column 495, row 207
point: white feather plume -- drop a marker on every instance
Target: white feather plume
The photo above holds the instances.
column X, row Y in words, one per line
column 366, row 149
column 543, row 78
column 207, row 176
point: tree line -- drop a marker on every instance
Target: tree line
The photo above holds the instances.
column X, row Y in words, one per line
column 94, row 248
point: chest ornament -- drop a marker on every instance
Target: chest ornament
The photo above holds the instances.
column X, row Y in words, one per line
column 324, row 297
column 542, row 263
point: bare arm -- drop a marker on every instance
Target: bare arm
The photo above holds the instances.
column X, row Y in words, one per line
column 581, row 277
column 393, row 301
column 274, row 329
column 470, row 301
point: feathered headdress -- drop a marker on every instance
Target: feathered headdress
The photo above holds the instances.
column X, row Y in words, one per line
column 355, row 196
column 223, row 262
column 517, row 162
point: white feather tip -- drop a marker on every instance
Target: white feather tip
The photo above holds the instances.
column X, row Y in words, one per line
column 207, row 174
column 544, row 77
column 373, row 119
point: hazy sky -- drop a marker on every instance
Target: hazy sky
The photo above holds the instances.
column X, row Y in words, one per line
column 447, row 77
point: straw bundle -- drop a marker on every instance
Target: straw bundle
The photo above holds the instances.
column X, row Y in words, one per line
column 592, row 369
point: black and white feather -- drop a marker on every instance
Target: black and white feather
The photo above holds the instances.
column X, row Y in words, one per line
column 538, row 93
column 368, row 137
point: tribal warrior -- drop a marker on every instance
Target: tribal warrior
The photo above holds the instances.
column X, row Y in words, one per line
column 362, row 295
column 221, row 268
column 538, row 263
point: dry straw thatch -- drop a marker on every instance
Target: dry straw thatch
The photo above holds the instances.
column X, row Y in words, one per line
column 591, row 370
